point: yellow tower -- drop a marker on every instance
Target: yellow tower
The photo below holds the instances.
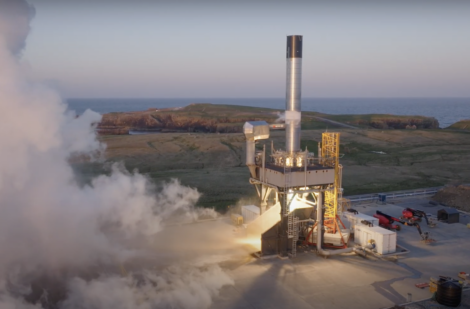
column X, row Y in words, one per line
column 333, row 197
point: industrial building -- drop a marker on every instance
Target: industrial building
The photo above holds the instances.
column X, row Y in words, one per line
column 304, row 185
column 302, row 210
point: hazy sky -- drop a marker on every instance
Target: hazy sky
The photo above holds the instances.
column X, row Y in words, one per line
column 177, row 49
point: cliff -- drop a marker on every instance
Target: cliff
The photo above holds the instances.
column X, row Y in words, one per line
column 207, row 118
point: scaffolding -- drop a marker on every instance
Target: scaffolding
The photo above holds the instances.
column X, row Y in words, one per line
column 291, row 188
column 292, row 221
column 330, row 156
column 330, row 149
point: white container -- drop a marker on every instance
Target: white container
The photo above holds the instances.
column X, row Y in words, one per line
column 354, row 219
column 362, row 234
column 332, row 239
column 385, row 240
column 250, row 213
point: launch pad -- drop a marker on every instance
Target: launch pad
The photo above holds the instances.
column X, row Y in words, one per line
column 305, row 185
column 348, row 281
column 300, row 203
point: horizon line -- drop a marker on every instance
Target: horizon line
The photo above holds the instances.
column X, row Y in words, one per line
column 251, row 98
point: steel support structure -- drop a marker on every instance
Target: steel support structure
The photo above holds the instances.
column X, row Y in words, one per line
column 330, row 156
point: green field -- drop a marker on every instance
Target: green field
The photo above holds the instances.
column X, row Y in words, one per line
column 461, row 125
column 214, row 163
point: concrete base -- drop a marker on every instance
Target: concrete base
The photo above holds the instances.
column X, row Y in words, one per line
column 350, row 281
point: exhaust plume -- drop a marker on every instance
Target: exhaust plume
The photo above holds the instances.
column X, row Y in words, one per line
column 84, row 239
column 14, row 24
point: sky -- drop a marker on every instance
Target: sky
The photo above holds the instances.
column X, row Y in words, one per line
column 236, row 49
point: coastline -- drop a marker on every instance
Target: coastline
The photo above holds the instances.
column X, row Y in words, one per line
column 446, row 110
column 214, row 118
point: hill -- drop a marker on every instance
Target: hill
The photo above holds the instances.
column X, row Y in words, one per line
column 213, row 118
column 460, row 125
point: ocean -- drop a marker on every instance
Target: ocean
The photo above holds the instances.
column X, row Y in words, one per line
column 446, row 110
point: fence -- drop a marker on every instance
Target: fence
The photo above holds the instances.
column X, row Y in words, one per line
column 374, row 197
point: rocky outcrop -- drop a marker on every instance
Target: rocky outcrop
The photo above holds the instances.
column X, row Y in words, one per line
column 213, row 118
column 454, row 196
column 193, row 118
column 129, row 120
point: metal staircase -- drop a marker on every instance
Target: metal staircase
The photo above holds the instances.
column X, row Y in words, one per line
column 295, row 236
column 290, row 225
column 287, row 201
column 287, row 185
column 293, row 232
column 292, row 222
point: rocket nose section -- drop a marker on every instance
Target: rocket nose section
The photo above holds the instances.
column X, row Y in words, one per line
column 294, row 46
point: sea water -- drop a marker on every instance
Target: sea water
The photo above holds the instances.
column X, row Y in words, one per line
column 446, row 110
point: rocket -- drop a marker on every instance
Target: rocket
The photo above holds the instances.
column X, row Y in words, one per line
column 293, row 92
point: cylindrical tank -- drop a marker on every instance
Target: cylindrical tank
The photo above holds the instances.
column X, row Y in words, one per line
column 449, row 293
column 250, row 152
column 293, row 92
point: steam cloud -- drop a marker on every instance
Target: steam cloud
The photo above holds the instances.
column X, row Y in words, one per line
column 14, row 24
column 49, row 224
column 281, row 117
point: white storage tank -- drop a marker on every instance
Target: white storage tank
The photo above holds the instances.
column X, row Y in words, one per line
column 250, row 213
column 385, row 240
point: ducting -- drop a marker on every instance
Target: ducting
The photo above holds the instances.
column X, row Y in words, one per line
column 320, row 250
column 254, row 130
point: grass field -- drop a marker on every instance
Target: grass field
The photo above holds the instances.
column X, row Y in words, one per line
column 214, row 163
column 461, row 125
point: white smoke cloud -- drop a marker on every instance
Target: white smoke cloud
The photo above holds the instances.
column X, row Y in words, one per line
column 175, row 287
column 14, row 24
column 49, row 223
column 281, row 117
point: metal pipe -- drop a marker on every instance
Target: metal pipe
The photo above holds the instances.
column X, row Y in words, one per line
column 255, row 181
column 293, row 92
column 320, row 250
column 319, row 153
column 305, row 168
column 250, row 152
column 264, row 163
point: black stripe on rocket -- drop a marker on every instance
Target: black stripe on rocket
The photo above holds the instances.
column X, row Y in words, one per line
column 294, row 46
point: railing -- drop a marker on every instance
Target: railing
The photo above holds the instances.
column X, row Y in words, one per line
column 374, row 197
column 279, row 159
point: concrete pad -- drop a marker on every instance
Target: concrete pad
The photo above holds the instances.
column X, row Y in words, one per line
column 348, row 298
column 407, row 286
column 351, row 281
